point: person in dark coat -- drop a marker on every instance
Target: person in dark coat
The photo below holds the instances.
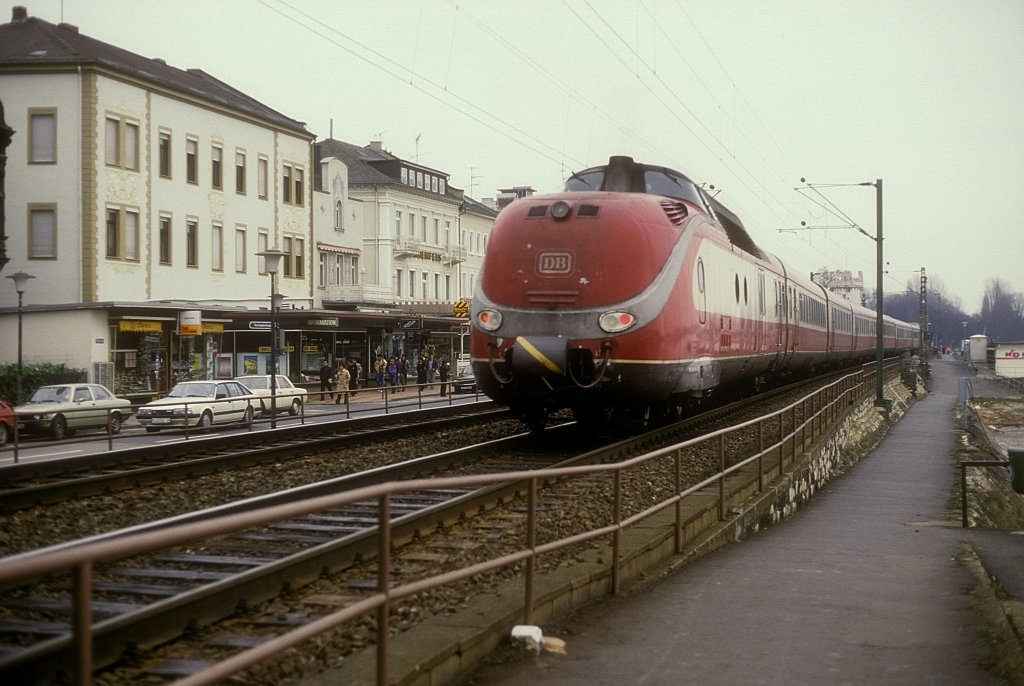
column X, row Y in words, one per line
column 326, row 377
column 443, row 372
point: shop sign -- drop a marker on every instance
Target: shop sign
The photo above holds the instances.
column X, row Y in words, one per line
column 408, row 324
column 285, row 349
column 139, row 326
column 310, row 349
column 260, row 326
column 190, row 323
column 321, row 322
column 211, row 327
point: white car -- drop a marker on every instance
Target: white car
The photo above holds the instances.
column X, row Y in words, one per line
column 201, row 404
column 288, row 396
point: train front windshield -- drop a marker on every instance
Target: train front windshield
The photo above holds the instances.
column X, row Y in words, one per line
column 653, row 181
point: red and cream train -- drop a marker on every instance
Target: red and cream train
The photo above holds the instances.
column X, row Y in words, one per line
column 635, row 294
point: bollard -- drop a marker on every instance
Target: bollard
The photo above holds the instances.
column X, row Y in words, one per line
column 1017, row 468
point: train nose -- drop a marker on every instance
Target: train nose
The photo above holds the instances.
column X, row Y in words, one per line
column 539, row 355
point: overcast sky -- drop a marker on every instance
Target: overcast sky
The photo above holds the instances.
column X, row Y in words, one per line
column 746, row 95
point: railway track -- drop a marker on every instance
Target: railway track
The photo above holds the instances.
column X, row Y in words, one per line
column 140, row 603
column 28, row 484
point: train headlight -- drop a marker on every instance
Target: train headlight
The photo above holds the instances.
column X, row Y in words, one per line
column 616, row 322
column 561, row 209
column 488, row 320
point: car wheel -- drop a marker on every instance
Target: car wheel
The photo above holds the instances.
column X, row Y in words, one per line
column 115, row 423
column 205, row 421
column 295, row 408
column 247, row 417
column 59, row 428
column 264, row 410
column 5, row 434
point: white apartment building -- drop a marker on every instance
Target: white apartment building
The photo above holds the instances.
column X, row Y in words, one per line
column 136, row 191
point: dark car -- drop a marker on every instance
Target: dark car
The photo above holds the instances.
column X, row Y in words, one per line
column 465, row 382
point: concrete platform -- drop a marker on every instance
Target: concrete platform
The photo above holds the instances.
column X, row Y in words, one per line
column 872, row 583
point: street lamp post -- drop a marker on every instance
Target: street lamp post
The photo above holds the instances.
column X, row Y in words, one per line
column 20, row 282
column 272, row 260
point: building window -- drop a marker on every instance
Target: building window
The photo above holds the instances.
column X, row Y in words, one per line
column 192, row 160
column 240, row 172
column 423, row 227
column 217, row 247
column 300, row 258
column 338, row 226
column 437, row 286
column 165, row 240
column 122, row 233
column 300, row 199
column 448, row 287
column 292, row 185
column 122, row 143
column 240, row 236
column 437, row 231
column 404, row 174
column 191, row 243
column 398, row 283
column 398, row 223
column 440, row 186
column 42, row 237
column 164, row 154
column 261, row 177
column 286, row 261
column 262, row 241
column 423, row 286
column 412, row 284
column 322, row 275
column 433, row 184
column 292, row 262
column 42, row 131
column 217, row 167
column 412, row 224
column 352, row 261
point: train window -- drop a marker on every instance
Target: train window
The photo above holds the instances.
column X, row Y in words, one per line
column 737, row 289
column 585, row 181
column 700, row 275
column 660, row 183
column 745, row 301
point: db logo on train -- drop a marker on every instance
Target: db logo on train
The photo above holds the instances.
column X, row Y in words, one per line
column 1013, row 354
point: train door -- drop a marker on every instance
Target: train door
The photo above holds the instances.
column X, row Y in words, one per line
column 760, row 344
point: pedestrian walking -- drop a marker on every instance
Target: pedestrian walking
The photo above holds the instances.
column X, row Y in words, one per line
column 325, row 378
column 341, row 381
column 442, row 373
column 380, row 367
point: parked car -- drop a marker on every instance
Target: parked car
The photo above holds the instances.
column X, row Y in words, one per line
column 465, row 381
column 6, row 422
column 288, row 396
column 201, row 404
column 62, row 409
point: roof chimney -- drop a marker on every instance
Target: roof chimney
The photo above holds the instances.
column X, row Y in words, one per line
column 68, row 27
column 377, row 146
column 19, row 13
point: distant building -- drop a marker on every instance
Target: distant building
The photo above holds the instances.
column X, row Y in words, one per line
column 843, row 283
